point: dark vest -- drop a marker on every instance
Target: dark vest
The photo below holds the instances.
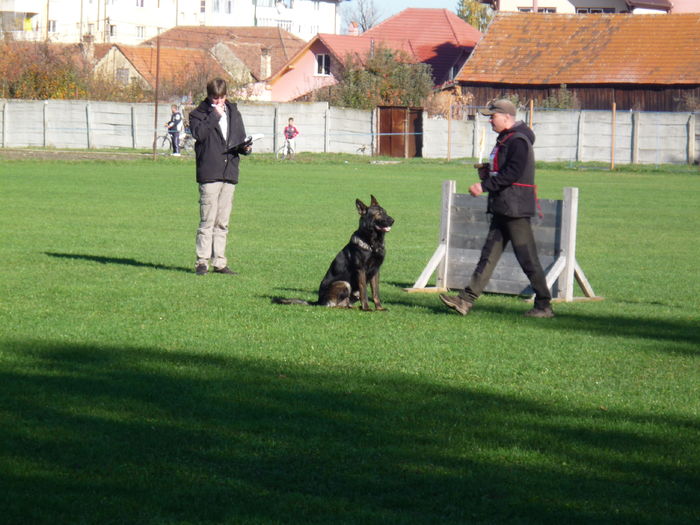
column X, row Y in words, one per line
column 518, row 199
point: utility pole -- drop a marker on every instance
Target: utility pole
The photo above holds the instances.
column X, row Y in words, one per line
column 155, row 118
column 46, row 25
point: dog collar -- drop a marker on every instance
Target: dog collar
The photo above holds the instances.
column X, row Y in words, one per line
column 362, row 244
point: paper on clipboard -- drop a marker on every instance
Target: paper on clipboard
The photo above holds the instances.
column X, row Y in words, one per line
column 249, row 141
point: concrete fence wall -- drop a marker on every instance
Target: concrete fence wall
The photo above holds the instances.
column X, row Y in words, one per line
column 562, row 135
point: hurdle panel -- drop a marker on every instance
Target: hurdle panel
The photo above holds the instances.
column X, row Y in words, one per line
column 466, row 238
column 464, row 225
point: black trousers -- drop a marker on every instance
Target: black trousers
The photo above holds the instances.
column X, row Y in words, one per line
column 518, row 231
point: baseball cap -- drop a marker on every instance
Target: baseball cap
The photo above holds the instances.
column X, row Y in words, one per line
column 499, row 106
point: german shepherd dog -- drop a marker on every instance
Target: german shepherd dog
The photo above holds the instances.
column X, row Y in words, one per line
column 356, row 264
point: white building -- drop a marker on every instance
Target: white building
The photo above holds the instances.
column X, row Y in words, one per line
column 133, row 21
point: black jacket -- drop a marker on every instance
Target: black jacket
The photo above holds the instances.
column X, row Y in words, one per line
column 511, row 184
column 217, row 159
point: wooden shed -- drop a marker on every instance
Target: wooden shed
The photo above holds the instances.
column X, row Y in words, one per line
column 639, row 62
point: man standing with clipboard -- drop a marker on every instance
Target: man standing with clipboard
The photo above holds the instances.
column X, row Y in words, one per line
column 217, row 127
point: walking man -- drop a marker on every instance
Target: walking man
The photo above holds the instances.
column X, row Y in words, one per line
column 509, row 179
column 218, row 129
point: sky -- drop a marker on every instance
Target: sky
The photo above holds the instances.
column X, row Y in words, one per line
column 388, row 8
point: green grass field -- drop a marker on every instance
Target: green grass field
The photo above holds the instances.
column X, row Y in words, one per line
column 132, row 391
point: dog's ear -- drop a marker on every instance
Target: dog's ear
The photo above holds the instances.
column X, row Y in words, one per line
column 374, row 201
column 361, row 206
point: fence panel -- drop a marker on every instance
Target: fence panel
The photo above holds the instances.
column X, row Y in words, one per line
column 350, row 130
column 561, row 135
column 663, row 138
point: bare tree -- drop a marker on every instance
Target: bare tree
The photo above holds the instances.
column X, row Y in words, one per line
column 364, row 12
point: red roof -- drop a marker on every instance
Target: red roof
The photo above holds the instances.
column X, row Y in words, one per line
column 437, row 37
column 555, row 49
column 172, row 61
column 248, row 41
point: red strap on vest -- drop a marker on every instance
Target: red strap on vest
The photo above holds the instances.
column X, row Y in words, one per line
column 533, row 186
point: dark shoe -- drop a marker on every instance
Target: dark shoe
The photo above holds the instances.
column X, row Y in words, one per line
column 201, row 269
column 461, row 306
column 225, row 270
column 544, row 313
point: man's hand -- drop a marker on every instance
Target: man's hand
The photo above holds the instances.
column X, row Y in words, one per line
column 220, row 110
column 483, row 170
column 475, row 189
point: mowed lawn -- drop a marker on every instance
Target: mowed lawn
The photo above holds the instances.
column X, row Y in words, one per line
column 133, row 391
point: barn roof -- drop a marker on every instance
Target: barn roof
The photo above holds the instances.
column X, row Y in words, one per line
column 554, row 49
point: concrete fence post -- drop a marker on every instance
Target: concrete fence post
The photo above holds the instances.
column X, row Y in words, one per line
column 326, row 129
column 579, row 137
column 88, row 126
column 691, row 138
column 5, row 113
column 275, row 119
column 45, row 123
column 133, row 127
column 635, row 137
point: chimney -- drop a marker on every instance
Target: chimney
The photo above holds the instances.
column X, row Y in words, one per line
column 87, row 46
column 265, row 63
column 353, row 29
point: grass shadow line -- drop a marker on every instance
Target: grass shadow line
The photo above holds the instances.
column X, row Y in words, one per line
column 118, row 260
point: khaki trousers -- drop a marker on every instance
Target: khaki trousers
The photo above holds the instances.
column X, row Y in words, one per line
column 215, row 203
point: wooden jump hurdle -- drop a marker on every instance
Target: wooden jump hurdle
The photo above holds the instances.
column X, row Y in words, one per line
column 463, row 227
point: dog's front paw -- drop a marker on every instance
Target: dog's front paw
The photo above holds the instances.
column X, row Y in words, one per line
column 380, row 308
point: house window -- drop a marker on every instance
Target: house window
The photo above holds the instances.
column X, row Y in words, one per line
column 112, row 30
column 141, row 31
column 229, row 7
column 139, row 3
column 91, row 29
column 317, row 5
column 52, row 26
column 539, row 9
column 215, row 6
column 203, row 6
column 122, row 76
column 323, row 64
column 585, row 10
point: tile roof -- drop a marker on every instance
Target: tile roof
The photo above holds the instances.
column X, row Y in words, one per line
column 436, row 37
column 282, row 44
column 172, row 61
column 554, row 49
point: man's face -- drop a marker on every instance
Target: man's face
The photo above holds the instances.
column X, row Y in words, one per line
column 218, row 101
column 500, row 121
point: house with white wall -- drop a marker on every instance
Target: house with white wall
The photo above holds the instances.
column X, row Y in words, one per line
column 133, row 21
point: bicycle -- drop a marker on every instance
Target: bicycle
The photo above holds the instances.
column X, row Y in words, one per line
column 164, row 142
column 286, row 152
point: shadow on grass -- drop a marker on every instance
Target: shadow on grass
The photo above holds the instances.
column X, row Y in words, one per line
column 118, row 260
column 136, row 435
column 684, row 334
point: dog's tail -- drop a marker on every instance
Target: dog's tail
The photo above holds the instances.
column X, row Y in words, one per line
column 285, row 300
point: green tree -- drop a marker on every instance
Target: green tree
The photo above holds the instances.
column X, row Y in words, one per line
column 474, row 13
column 383, row 77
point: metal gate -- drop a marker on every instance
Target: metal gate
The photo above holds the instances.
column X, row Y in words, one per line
column 400, row 131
